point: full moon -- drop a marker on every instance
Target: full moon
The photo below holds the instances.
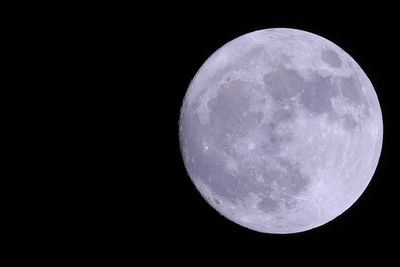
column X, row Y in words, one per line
column 280, row 130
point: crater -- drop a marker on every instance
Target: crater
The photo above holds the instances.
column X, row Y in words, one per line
column 331, row 58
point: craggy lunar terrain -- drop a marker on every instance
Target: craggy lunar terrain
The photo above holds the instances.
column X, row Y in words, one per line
column 280, row 130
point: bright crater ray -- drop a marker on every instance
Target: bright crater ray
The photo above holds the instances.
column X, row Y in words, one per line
column 280, row 130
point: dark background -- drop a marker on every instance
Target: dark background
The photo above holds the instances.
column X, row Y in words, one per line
column 179, row 40
column 102, row 86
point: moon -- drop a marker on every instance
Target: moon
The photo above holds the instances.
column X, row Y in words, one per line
column 280, row 130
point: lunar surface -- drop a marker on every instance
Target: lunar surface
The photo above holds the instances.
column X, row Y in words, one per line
column 280, row 130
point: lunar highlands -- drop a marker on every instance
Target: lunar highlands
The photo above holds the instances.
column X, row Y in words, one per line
column 280, row 130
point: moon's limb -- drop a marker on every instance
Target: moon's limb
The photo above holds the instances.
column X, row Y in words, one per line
column 280, row 130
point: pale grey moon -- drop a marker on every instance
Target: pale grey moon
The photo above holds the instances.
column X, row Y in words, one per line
column 280, row 130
